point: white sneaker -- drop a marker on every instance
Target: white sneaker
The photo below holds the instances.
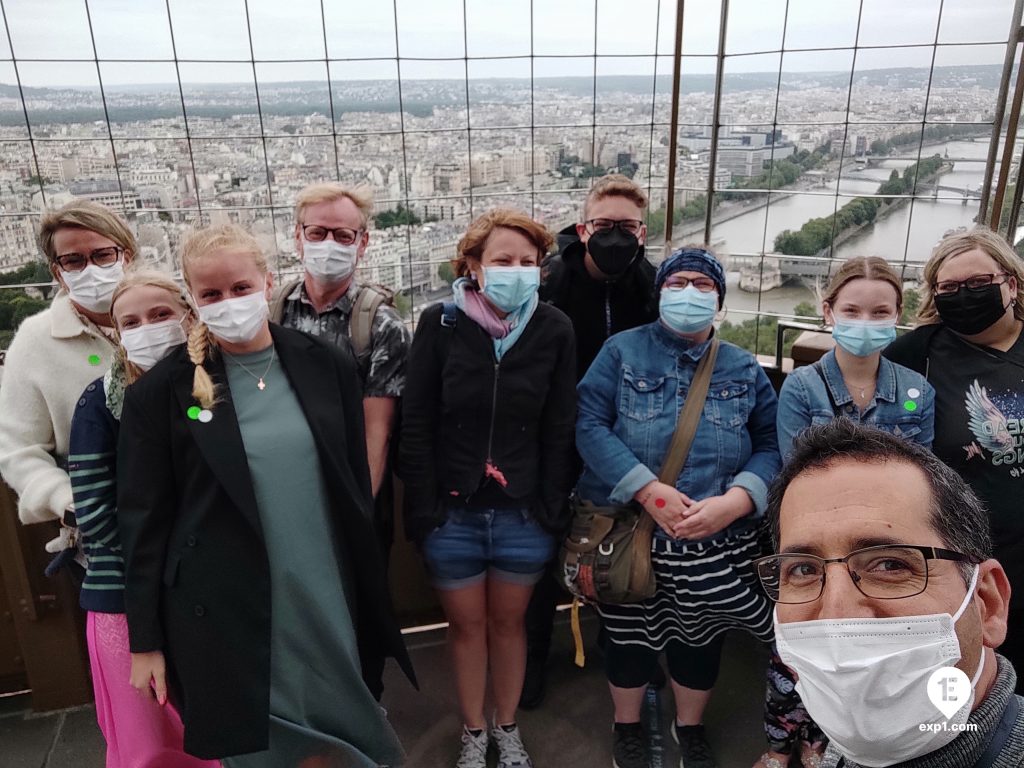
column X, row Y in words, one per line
column 474, row 750
column 511, row 752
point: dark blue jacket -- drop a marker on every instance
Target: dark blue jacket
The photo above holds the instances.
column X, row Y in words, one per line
column 92, row 464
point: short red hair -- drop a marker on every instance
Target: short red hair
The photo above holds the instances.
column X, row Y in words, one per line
column 471, row 246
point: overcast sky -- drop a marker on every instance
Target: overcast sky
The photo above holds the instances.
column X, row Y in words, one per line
column 970, row 32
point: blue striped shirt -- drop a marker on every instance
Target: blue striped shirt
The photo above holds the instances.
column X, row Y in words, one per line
column 92, row 465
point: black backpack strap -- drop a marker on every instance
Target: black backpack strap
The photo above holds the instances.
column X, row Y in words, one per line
column 449, row 317
column 828, row 390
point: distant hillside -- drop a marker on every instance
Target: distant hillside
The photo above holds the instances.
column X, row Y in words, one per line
column 128, row 103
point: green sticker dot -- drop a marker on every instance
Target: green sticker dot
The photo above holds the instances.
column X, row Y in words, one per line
column 193, row 412
column 910, row 405
column 95, row 360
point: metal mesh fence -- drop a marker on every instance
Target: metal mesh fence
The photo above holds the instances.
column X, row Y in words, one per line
column 181, row 111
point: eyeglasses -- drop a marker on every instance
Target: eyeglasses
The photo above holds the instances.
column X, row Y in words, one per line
column 101, row 257
column 702, row 284
column 314, row 233
column 632, row 226
column 972, row 283
column 883, row 572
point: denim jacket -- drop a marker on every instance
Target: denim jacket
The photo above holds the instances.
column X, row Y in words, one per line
column 629, row 403
column 904, row 402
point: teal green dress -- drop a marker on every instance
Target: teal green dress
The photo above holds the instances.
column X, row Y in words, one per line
column 321, row 712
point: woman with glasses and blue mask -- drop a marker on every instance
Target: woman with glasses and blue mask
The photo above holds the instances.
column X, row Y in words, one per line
column 862, row 304
column 487, row 459
column 968, row 344
column 56, row 354
column 705, row 539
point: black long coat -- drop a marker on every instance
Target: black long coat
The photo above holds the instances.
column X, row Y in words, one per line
column 197, row 577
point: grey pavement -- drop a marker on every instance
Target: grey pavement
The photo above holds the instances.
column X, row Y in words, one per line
column 571, row 728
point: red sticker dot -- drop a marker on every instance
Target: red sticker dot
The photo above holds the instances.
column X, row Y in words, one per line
column 659, row 503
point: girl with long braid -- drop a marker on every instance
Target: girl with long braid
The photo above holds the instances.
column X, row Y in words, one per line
column 150, row 315
column 256, row 595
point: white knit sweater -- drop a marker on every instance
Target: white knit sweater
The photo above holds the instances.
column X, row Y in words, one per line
column 54, row 356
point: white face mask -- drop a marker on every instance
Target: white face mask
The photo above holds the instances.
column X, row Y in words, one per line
column 93, row 286
column 329, row 262
column 147, row 345
column 865, row 681
column 236, row 321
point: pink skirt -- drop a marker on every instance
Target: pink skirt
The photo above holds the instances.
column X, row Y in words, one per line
column 139, row 732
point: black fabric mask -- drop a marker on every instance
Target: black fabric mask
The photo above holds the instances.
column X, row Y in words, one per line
column 971, row 311
column 613, row 250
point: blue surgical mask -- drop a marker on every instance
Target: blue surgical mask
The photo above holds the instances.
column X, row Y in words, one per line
column 863, row 337
column 509, row 288
column 687, row 310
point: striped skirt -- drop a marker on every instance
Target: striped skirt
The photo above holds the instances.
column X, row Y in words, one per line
column 704, row 589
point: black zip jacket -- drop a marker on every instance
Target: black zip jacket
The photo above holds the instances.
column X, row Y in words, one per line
column 597, row 309
column 461, row 406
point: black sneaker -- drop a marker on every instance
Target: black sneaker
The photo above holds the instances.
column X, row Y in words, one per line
column 694, row 750
column 534, row 682
column 629, row 748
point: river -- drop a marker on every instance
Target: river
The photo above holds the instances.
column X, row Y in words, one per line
column 912, row 230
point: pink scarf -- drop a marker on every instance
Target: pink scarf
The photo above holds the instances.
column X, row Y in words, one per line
column 480, row 311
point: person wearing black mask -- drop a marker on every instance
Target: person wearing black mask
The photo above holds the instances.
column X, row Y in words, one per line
column 969, row 346
column 602, row 280
column 600, row 277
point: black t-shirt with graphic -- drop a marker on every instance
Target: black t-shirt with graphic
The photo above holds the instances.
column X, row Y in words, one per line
column 979, row 427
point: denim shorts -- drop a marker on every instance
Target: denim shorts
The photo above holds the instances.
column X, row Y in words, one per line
column 507, row 544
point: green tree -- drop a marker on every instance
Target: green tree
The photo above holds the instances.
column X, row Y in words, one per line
column 807, row 309
column 403, row 304
column 911, row 303
column 401, row 216
column 446, row 273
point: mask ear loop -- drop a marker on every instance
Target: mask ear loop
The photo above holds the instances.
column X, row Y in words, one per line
column 969, row 595
column 956, row 617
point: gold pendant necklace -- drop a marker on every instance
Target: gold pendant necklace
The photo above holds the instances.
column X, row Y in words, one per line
column 260, row 383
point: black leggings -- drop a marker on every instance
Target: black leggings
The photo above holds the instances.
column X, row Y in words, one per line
column 696, row 667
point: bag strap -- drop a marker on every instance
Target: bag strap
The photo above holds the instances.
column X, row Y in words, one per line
column 689, row 418
column 828, row 390
column 675, row 459
column 278, row 298
column 364, row 310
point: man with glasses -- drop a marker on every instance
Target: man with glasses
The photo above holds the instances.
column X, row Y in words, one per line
column 602, row 280
column 889, row 604
column 56, row 354
column 331, row 235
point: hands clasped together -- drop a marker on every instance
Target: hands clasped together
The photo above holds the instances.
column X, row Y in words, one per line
column 683, row 518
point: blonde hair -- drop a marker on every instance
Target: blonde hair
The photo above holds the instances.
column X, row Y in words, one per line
column 983, row 239
column 328, row 192
column 615, row 185
column 472, row 244
column 154, row 278
column 84, row 214
column 201, row 244
column 863, row 268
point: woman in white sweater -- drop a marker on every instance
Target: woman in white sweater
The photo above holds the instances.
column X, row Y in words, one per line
column 56, row 353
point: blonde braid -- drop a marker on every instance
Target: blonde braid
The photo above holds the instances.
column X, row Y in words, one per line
column 199, row 343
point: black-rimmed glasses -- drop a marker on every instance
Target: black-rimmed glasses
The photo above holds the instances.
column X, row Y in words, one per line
column 885, row 572
column 314, row 233
column 632, row 226
column 972, row 283
column 101, row 257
